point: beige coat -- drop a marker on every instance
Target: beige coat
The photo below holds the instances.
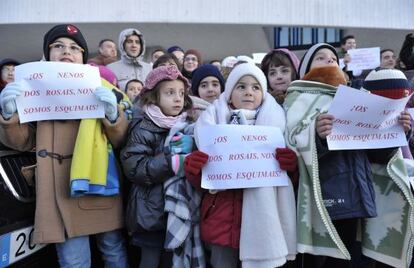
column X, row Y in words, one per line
column 57, row 214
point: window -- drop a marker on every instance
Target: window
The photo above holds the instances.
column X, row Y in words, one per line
column 298, row 38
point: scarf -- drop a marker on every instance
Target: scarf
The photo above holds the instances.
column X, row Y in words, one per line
column 156, row 115
column 387, row 238
column 268, row 228
column 93, row 168
column 329, row 75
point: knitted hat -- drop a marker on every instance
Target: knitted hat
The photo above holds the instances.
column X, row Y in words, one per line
column 229, row 61
column 306, row 62
column 202, row 72
column 64, row 30
column 174, row 48
column 163, row 73
column 242, row 70
column 195, row 53
column 107, row 74
column 389, row 83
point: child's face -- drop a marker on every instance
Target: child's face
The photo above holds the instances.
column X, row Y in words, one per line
column 133, row 90
column 171, row 97
column 65, row 50
column 190, row 62
column 7, row 73
column 168, row 63
column 209, row 88
column 323, row 58
column 279, row 79
column 247, row 93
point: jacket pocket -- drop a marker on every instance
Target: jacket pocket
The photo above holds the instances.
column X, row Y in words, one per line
column 96, row 202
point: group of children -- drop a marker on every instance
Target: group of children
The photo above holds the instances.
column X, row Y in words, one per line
column 169, row 216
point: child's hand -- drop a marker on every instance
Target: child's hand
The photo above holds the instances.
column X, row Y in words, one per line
column 287, row 159
column 405, row 120
column 181, row 144
column 194, row 162
column 324, row 125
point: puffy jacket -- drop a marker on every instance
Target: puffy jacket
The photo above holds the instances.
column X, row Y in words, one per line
column 146, row 165
column 346, row 180
column 220, row 220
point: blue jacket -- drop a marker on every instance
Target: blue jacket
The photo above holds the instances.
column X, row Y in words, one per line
column 346, row 180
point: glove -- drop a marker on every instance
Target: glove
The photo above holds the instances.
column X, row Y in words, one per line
column 177, row 164
column 287, row 159
column 108, row 98
column 8, row 99
column 194, row 162
column 181, row 144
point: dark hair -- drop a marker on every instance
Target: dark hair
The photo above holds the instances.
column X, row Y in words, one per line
column 386, row 50
column 153, row 97
column 278, row 58
column 105, row 40
column 133, row 80
column 345, row 38
column 166, row 58
column 157, row 49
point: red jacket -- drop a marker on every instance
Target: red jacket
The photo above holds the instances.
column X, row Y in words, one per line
column 220, row 217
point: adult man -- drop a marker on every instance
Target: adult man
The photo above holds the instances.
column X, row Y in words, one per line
column 107, row 53
column 130, row 66
column 387, row 59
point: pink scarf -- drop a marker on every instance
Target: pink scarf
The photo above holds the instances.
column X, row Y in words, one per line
column 154, row 112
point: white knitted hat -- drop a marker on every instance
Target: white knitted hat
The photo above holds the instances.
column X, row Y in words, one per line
column 241, row 70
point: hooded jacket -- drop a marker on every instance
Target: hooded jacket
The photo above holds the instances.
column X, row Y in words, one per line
column 127, row 67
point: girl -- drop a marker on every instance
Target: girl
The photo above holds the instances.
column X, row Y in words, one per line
column 59, row 218
column 192, row 60
column 280, row 67
column 147, row 164
column 166, row 60
column 133, row 88
column 335, row 187
column 206, row 85
column 229, row 220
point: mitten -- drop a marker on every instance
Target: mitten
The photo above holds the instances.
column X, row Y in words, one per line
column 109, row 99
column 8, row 99
column 194, row 162
column 181, row 144
column 177, row 164
column 287, row 159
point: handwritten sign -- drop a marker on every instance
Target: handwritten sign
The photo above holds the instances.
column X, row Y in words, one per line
column 364, row 58
column 241, row 156
column 365, row 121
column 56, row 90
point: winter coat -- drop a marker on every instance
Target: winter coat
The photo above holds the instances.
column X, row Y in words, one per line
column 407, row 53
column 146, row 165
column 59, row 216
column 346, row 180
column 128, row 68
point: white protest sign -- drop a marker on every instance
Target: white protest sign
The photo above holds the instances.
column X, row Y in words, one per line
column 411, row 112
column 364, row 58
column 365, row 121
column 241, row 156
column 57, row 90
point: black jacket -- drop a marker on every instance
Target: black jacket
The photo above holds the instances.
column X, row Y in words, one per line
column 346, row 180
column 406, row 52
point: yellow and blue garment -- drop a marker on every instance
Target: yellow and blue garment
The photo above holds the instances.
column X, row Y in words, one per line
column 93, row 169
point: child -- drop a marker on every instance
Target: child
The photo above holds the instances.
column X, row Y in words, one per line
column 230, row 219
column 7, row 71
column 59, row 218
column 335, row 187
column 166, row 60
column 133, row 88
column 147, row 164
column 280, row 67
column 206, row 85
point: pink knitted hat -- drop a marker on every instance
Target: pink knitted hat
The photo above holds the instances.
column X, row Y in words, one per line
column 163, row 73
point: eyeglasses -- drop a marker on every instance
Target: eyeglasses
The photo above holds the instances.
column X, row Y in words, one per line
column 190, row 59
column 74, row 49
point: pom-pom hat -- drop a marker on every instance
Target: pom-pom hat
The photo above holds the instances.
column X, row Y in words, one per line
column 389, row 83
